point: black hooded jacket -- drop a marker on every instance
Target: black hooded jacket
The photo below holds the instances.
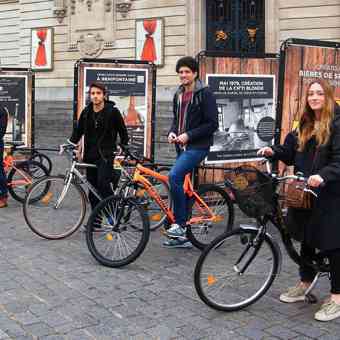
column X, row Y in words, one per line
column 109, row 123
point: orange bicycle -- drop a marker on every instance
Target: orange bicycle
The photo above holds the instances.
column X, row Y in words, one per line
column 21, row 174
column 111, row 230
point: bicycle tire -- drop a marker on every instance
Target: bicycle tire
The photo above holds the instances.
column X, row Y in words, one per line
column 116, row 205
column 42, row 159
column 198, row 234
column 27, row 167
column 42, row 223
column 215, row 251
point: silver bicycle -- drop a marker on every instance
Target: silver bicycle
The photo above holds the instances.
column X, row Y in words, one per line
column 62, row 210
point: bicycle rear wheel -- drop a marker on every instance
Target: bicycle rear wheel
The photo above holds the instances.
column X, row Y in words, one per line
column 22, row 177
column 117, row 231
column 42, row 159
column 219, row 280
column 59, row 213
column 201, row 234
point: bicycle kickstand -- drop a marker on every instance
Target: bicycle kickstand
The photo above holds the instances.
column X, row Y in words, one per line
column 309, row 297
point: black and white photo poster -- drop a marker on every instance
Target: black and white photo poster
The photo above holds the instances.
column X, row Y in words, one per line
column 246, row 106
column 128, row 88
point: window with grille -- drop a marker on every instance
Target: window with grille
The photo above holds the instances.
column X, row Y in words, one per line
column 236, row 26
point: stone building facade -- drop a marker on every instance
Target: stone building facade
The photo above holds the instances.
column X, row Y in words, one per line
column 106, row 29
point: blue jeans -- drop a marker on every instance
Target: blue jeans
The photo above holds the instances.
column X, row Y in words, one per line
column 3, row 179
column 185, row 163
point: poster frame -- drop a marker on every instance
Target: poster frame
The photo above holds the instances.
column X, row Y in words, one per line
column 282, row 70
column 115, row 62
column 30, row 104
column 222, row 54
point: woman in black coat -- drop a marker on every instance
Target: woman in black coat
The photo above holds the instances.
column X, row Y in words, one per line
column 314, row 150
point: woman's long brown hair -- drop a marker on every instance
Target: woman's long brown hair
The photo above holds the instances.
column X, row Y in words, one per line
column 307, row 118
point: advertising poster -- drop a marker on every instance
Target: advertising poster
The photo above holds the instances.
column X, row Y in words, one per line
column 129, row 88
column 14, row 99
column 246, row 106
column 304, row 63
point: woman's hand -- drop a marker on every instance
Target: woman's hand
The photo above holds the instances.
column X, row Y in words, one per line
column 315, row 181
column 266, row 151
column 182, row 139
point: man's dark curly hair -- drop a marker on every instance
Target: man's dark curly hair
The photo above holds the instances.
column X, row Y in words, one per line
column 188, row 62
column 99, row 86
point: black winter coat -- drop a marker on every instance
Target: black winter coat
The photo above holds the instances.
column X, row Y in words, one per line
column 322, row 228
column 110, row 123
column 201, row 117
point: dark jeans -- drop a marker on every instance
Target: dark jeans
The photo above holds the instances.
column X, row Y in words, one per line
column 307, row 273
column 186, row 161
column 101, row 178
column 3, row 178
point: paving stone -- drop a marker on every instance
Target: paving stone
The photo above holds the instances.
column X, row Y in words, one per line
column 39, row 329
column 55, row 290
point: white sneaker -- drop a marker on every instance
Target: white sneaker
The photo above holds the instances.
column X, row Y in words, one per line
column 294, row 294
column 328, row 311
column 176, row 231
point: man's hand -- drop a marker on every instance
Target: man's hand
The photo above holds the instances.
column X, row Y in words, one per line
column 315, row 181
column 182, row 139
column 266, row 151
column 172, row 138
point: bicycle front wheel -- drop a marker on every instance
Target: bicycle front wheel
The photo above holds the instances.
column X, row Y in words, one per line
column 202, row 233
column 117, row 231
column 60, row 212
column 22, row 177
column 236, row 269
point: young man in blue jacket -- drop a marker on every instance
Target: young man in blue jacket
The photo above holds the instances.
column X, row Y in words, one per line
column 3, row 179
column 194, row 122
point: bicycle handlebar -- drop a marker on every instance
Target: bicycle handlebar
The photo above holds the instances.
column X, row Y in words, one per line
column 299, row 176
column 133, row 156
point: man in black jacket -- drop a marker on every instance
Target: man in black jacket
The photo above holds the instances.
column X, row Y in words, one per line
column 194, row 123
column 99, row 123
column 3, row 180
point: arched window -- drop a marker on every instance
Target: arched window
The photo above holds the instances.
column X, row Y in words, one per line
column 236, row 26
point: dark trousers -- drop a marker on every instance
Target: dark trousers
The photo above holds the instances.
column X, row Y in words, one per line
column 3, row 178
column 307, row 273
column 101, row 178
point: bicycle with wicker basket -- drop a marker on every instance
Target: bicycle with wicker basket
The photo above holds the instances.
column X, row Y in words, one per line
column 238, row 268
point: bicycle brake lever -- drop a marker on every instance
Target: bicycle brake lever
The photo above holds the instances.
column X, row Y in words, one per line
column 311, row 192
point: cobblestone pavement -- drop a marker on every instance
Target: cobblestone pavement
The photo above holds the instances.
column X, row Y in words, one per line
column 55, row 290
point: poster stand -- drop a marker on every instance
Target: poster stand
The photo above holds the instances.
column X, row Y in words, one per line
column 17, row 96
column 131, row 84
column 301, row 61
column 232, row 66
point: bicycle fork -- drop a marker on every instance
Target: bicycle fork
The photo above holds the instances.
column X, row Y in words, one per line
column 63, row 192
column 256, row 243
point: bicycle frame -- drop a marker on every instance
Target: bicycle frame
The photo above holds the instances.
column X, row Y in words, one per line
column 139, row 178
column 9, row 163
column 74, row 172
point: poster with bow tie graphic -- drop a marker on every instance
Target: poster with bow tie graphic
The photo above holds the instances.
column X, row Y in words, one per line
column 42, row 49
